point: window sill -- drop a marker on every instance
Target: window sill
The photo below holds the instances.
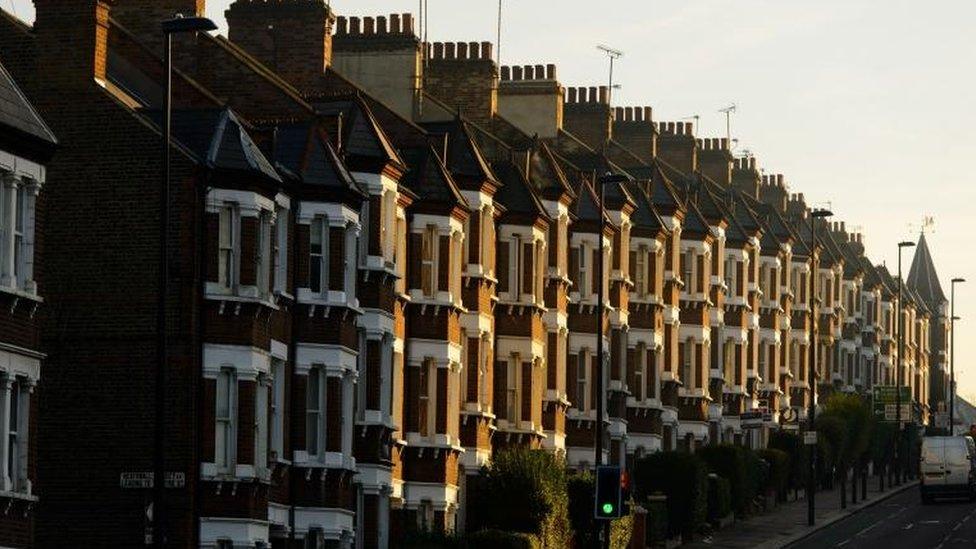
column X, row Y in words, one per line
column 332, row 460
column 242, row 473
column 445, row 442
column 213, row 293
column 21, row 294
column 329, row 299
column 25, row 496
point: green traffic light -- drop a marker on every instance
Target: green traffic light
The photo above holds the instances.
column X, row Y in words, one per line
column 607, row 508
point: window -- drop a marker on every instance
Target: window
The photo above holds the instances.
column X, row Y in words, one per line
column 277, row 420
column 640, row 372
column 315, row 539
column 227, row 275
column 13, row 439
column 261, row 422
column 465, row 367
column 315, row 413
column 424, row 415
column 640, row 271
column 428, row 269
column 728, row 351
column 262, row 254
column 225, row 417
column 584, row 270
column 487, row 232
column 318, row 266
column 538, row 272
column 280, row 251
column 512, row 389
column 687, row 364
column 687, row 263
column 582, row 373
column 516, row 256
column 483, row 358
column 730, row 274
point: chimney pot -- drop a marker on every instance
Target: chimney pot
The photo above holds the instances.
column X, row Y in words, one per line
column 779, row 179
column 381, row 25
column 618, row 114
column 506, row 72
column 462, row 50
column 725, row 143
column 369, row 26
column 474, row 50
column 648, row 114
column 550, row 72
column 573, row 95
column 516, row 72
column 629, row 114
column 354, row 27
column 604, row 95
column 407, row 24
column 529, row 72
column 342, row 25
column 638, row 114
column 450, row 50
column 540, row 72
column 438, row 50
column 487, row 50
column 395, row 27
column 592, row 95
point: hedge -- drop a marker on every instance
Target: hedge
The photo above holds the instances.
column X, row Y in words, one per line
column 798, row 455
column 779, row 470
column 498, row 539
column 719, row 498
column 729, row 462
column 680, row 476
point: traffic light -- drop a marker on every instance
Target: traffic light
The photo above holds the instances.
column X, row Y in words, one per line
column 609, row 488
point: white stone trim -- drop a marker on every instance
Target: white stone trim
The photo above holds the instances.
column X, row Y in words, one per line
column 246, row 361
column 243, row 532
column 441, row 496
column 20, row 365
column 250, row 203
column 339, row 215
column 334, row 523
column 338, row 360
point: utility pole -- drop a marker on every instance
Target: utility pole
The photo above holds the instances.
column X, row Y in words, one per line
column 901, row 349
column 952, row 356
column 814, row 268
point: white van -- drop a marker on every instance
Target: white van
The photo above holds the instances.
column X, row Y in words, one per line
column 948, row 467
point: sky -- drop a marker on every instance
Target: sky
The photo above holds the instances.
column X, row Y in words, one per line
column 865, row 106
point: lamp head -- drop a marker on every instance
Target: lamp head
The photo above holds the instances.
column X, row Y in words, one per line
column 906, row 244
column 180, row 24
column 958, row 280
column 821, row 213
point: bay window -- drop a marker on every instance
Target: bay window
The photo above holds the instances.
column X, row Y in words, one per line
column 17, row 201
column 640, row 272
column 14, row 442
column 280, row 251
column 425, row 410
column 261, row 393
column 640, row 373
column 277, row 419
column 428, row 266
column 687, row 271
column 687, row 349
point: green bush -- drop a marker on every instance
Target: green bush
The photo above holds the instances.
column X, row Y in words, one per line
column 682, row 478
column 719, row 497
column 799, row 455
column 757, row 473
column 525, row 491
column 779, row 470
column 497, row 539
column 729, row 462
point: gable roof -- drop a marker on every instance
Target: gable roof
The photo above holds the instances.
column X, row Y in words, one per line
column 922, row 276
column 302, row 149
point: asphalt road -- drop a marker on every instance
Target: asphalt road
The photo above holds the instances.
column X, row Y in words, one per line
column 901, row 522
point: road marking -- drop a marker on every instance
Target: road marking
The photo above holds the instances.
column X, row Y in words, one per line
column 930, row 522
column 843, row 543
column 956, row 527
column 862, row 532
column 909, row 526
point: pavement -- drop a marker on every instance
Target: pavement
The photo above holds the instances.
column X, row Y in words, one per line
column 786, row 525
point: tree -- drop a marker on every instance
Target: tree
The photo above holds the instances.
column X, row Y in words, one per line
column 856, row 418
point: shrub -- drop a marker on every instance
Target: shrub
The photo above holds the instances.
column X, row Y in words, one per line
column 682, row 478
column 756, row 473
column 719, row 498
column 779, row 470
column 497, row 539
column 729, row 462
column 798, row 454
column 525, row 491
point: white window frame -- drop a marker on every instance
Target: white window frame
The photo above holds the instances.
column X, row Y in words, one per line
column 229, row 247
column 515, row 267
column 282, row 225
column 583, row 366
column 277, row 419
column 262, row 256
column 315, row 412
column 688, row 270
column 261, row 404
column 321, row 258
column 513, row 406
column 225, row 426
column 430, row 242
column 584, row 277
column 640, row 271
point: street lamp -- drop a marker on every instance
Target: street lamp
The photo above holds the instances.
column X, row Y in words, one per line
column 177, row 25
column 952, row 356
column 814, row 267
column 901, row 349
column 600, row 391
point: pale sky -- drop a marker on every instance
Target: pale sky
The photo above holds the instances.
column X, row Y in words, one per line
column 863, row 104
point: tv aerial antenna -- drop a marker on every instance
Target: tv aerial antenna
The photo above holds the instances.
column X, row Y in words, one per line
column 728, row 120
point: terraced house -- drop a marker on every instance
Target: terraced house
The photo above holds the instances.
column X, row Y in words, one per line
column 385, row 267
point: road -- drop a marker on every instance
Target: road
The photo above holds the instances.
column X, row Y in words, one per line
column 901, row 522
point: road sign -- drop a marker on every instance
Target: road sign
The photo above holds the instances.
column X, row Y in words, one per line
column 810, row 438
column 884, row 402
column 144, row 479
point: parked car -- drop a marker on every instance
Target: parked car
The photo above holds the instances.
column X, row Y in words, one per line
column 948, row 467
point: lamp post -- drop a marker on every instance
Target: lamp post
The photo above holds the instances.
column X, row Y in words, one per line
column 952, row 355
column 177, row 25
column 901, row 349
column 814, row 267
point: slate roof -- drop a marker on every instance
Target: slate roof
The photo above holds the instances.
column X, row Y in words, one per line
column 18, row 115
column 645, row 218
column 429, row 178
column 361, row 134
column 218, row 139
column 463, row 157
column 515, row 195
column 922, row 276
column 303, row 150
